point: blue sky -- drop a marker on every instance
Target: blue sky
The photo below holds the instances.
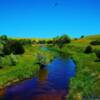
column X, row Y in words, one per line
column 41, row 18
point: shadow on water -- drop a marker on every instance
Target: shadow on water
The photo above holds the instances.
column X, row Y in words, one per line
column 52, row 83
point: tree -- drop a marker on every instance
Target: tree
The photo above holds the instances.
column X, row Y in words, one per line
column 49, row 42
column 41, row 60
column 14, row 47
column 17, row 48
column 3, row 39
column 95, row 42
column 60, row 41
column 88, row 49
column 41, row 41
column 82, row 36
column 6, row 50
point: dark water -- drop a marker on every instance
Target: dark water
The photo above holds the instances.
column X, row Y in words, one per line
column 53, row 88
column 60, row 71
column 44, row 48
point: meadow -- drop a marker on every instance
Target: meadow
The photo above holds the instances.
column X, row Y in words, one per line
column 86, row 83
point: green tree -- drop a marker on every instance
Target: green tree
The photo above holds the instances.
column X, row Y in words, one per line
column 60, row 41
column 3, row 39
column 88, row 49
column 95, row 42
column 14, row 47
column 82, row 36
column 6, row 49
column 17, row 48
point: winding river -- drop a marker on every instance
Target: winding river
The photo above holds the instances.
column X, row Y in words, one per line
column 53, row 87
column 51, row 84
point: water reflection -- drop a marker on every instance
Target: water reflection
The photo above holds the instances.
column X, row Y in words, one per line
column 53, row 87
column 60, row 71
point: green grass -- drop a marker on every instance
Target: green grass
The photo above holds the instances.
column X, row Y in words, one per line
column 86, row 83
column 25, row 67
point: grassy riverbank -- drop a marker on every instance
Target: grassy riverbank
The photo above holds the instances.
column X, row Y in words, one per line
column 86, row 83
column 25, row 67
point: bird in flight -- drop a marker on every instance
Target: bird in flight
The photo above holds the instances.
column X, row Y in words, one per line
column 56, row 4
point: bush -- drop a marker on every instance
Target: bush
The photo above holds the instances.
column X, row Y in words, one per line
column 6, row 49
column 13, row 60
column 41, row 42
column 14, row 47
column 82, row 36
column 97, row 54
column 26, row 41
column 60, row 41
column 1, row 63
column 96, row 42
column 17, row 48
column 49, row 42
column 88, row 49
column 3, row 39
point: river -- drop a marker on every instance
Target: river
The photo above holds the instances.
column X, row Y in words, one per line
column 53, row 87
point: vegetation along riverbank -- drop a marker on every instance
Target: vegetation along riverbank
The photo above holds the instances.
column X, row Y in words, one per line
column 21, row 59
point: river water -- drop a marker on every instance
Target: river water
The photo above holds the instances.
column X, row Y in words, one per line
column 53, row 87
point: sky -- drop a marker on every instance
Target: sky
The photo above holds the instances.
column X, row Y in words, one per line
column 49, row 18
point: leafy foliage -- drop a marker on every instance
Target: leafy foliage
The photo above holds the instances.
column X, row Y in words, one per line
column 88, row 49
column 14, row 47
column 3, row 39
column 6, row 49
column 60, row 41
column 17, row 48
column 98, row 53
column 96, row 42
column 82, row 36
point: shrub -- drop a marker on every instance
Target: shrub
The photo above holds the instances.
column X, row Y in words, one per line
column 17, row 48
column 6, row 49
column 0, row 62
column 96, row 42
column 1, row 54
column 26, row 41
column 49, row 42
column 75, row 38
column 41, row 58
column 82, row 36
column 88, row 49
column 60, row 41
column 3, row 39
column 97, row 54
column 13, row 60
column 14, row 47
column 41, row 42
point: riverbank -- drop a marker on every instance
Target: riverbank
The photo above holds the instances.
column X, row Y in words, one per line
column 25, row 68
column 86, row 83
column 51, row 82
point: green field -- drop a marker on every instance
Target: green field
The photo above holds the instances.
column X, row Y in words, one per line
column 86, row 83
